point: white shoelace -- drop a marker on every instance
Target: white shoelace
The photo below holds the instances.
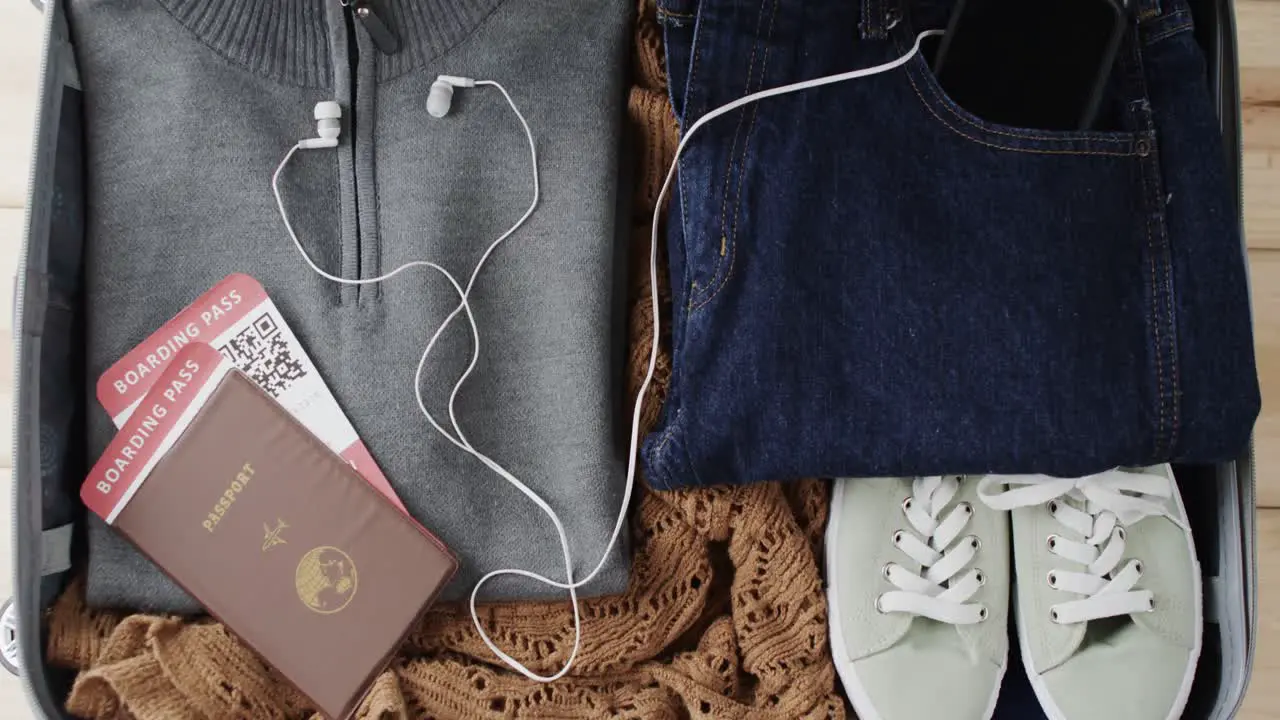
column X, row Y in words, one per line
column 1111, row 500
column 942, row 593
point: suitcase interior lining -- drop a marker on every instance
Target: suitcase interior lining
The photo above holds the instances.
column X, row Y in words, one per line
column 53, row 393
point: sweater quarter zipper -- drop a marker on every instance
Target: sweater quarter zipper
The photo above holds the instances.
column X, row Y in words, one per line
column 374, row 20
column 359, row 52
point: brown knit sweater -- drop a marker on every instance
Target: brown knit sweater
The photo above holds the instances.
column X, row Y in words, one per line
column 725, row 616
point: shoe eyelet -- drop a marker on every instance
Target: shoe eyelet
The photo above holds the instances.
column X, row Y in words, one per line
column 1053, row 507
column 880, row 609
column 1051, row 542
column 1053, row 580
column 885, row 570
column 982, row 613
column 897, row 538
column 1137, row 566
column 974, row 542
column 906, row 504
column 980, row 576
column 1151, row 604
column 966, row 508
column 1120, row 533
column 1053, row 615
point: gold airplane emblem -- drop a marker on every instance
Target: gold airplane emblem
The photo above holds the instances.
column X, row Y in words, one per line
column 272, row 537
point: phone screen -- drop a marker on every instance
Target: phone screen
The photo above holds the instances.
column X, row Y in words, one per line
column 1030, row 63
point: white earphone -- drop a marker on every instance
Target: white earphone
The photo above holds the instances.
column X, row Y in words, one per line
column 438, row 104
column 440, row 99
column 328, row 113
column 328, row 126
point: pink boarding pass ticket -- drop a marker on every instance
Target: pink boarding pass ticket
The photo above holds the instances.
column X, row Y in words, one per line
column 238, row 319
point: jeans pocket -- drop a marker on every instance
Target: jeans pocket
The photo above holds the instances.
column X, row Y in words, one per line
column 876, row 282
column 949, row 114
column 901, row 288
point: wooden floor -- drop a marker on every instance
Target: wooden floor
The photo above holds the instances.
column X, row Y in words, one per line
column 1259, row 27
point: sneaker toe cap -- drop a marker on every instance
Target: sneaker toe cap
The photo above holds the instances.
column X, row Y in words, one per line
column 915, row 683
column 1114, row 683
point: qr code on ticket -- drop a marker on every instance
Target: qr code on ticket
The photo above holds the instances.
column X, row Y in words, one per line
column 261, row 351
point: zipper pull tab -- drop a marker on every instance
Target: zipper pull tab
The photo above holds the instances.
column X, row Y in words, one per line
column 374, row 23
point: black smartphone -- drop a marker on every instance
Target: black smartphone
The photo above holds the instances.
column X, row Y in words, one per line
column 1031, row 63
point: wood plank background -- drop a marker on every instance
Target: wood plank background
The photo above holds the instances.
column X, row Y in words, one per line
column 1259, row 29
column 1258, row 23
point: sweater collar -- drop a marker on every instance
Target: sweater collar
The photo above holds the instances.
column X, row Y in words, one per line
column 289, row 40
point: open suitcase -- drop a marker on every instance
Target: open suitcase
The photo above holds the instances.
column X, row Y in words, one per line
column 51, row 398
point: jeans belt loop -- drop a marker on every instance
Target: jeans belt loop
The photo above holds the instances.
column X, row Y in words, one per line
column 878, row 17
column 677, row 12
column 1148, row 10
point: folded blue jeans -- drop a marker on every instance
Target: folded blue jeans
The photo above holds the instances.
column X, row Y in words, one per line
column 869, row 280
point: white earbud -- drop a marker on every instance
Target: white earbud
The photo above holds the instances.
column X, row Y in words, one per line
column 441, row 97
column 328, row 126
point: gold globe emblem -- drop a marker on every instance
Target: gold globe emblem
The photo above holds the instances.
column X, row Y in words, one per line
column 326, row 580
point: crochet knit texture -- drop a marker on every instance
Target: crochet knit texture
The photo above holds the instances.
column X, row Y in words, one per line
column 725, row 616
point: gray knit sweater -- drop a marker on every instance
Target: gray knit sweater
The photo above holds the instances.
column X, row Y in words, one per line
column 190, row 105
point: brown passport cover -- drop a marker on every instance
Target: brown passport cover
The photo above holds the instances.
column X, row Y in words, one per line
column 309, row 565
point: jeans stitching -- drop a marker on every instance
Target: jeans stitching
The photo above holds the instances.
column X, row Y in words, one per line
column 693, row 70
column 689, row 111
column 694, row 303
column 1155, row 327
column 1175, row 410
column 1150, row 190
column 732, row 244
column 1033, row 151
column 1011, row 134
column 1168, row 33
column 1084, row 137
column 1161, row 276
column 666, row 435
column 746, row 143
column 1148, row 168
column 1166, row 264
column 871, row 25
column 737, row 132
column 733, row 255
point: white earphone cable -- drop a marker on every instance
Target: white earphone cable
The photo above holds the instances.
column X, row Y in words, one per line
column 464, row 307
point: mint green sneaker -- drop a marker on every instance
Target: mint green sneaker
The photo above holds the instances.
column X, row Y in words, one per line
column 1108, row 596
column 918, row 587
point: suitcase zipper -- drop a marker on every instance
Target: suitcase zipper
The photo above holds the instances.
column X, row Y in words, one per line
column 19, row 313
